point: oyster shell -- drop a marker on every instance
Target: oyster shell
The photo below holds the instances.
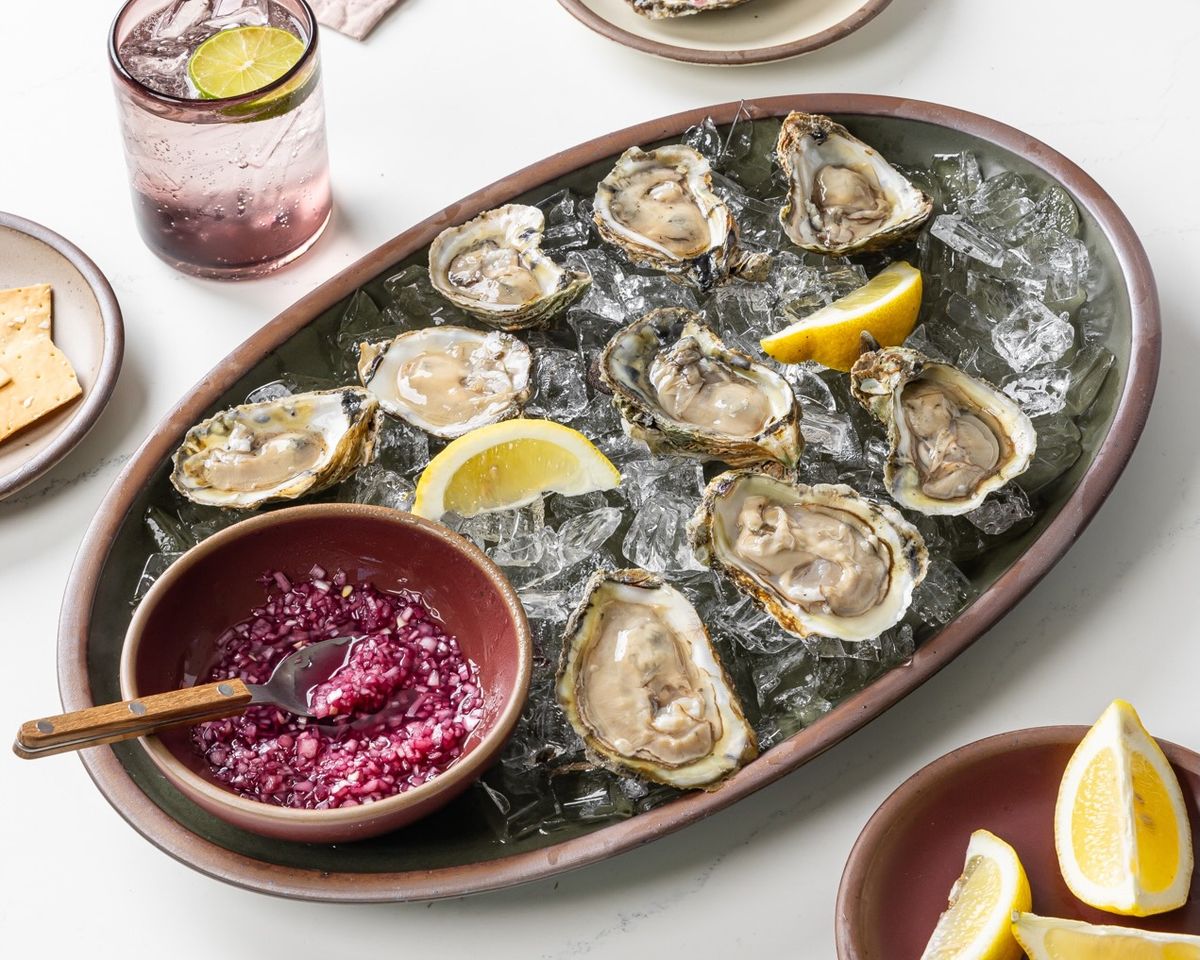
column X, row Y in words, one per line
column 448, row 380
column 658, row 206
column 665, row 9
column 640, row 682
column 843, row 196
column 281, row 449
column 493, row 268
column 954, row 439
column 679, row 389
column 821, row 560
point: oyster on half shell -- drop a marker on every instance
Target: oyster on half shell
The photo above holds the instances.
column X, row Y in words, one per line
column 820, row 559
column 641, row 683
column 448, row 380
column 665, row 9
column 282, row 449
column 679, row 389
column 659, row 208
column 954, row 439
column 843, row 196
column 493, row 268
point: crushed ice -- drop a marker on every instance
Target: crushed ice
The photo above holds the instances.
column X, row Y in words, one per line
column 1010, row 295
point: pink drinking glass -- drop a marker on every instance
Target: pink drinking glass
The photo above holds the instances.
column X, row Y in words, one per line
column 227, row 188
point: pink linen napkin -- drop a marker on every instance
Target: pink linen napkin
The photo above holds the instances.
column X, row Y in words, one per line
column 355, row 18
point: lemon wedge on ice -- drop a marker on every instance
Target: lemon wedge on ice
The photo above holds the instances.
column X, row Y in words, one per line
column 886, row 306
column 510, row 464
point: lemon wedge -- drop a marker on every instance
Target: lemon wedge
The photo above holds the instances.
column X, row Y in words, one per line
column 977, row 923
column 886, row 306
column 1120, row 827
column 1047, row 938
column 510, row 464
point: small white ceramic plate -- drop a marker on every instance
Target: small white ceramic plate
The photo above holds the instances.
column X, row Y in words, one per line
column 759, row 31
column 87, row 328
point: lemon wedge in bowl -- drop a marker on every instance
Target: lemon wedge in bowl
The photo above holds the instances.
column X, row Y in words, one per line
column 886, row 307
column 976, row 924
column 1048, row 938
column 1120, row 827
column 510, row 464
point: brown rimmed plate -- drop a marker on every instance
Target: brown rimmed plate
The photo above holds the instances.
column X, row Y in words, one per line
column 911, row 851
column 761, row 31
column 454, row 852
column 86, row 326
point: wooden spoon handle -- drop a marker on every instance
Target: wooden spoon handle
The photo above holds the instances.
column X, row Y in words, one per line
column 130, row 718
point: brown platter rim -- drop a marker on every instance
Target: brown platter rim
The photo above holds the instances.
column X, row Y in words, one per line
column 1095, row 485
column 865, row 13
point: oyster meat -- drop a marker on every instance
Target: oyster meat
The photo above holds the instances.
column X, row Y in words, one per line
column 659, row 208
column 820, row 559
column 640, row 682
column 281, row 449
column 954, row 439
column 843, row 196
column 493, row 268
column 679, row 389
column 448, row 380
column 666, row 9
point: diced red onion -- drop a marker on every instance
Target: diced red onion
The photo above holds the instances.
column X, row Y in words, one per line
column 271, row 756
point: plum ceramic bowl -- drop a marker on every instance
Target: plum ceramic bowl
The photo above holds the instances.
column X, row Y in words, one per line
column 911, row 851
column 216, row 584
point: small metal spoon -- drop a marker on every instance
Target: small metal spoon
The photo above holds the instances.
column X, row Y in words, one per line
column 291, row 681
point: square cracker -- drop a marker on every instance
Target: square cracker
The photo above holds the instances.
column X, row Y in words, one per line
column 42, row 381
column 24, row 311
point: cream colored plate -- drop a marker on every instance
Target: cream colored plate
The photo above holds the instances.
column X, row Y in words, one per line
column 755, row 32
column 86, row 326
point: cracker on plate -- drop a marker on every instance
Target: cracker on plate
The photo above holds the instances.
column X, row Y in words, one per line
column 24, row 310
column 36, row 377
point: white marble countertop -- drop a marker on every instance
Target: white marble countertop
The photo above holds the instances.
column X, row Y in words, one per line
column 1113, row 87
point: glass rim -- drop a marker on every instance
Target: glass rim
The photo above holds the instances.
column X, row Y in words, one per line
column 217, row 103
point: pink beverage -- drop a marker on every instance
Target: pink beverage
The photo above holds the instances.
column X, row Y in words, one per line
column 233, row 187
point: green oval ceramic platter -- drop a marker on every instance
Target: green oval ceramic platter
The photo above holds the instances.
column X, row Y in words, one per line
column 476, row 843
